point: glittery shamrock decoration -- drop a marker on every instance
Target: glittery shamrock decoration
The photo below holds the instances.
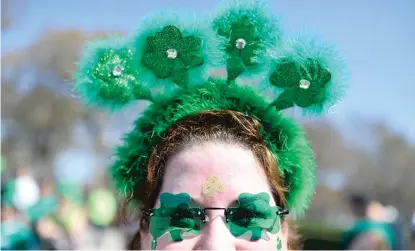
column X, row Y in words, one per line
column 175, row 51
column 174, row 216
column 106, row 75
column 279, row 244
column 248, row 29
column 241, row 48
column 304, row 85
column 170, row 55
column 253, row 214
column 308, row 73
column 213, row 185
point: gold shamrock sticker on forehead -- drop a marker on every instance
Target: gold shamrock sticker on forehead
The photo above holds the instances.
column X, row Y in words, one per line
column 213, row 185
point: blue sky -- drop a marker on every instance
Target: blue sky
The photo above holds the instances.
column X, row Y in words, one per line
column 377, row 39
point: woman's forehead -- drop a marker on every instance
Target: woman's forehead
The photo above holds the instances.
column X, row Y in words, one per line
column 214, row 173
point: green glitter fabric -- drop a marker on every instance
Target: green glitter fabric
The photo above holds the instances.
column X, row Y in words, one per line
column 304, row 94
column 175, row 50
column 310, row 74
column 106, row 76
column 250, row 23
column 241, row 48
column 184, row 54
column 169, row 60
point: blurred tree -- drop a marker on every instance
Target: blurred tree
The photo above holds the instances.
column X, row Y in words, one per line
column 395, row 162
column 384, row 173
column 11, row 11
column 38, row 104
column 334, row 155
column 333, row 152
column 56, row 52
column 6, row 14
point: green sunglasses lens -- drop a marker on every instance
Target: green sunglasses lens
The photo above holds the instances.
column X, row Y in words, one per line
column 178, row 217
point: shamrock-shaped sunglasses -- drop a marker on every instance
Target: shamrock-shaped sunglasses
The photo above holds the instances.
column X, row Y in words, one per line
column 177, row 214
column 232, row 214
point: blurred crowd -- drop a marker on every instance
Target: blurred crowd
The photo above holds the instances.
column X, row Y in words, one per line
column 377, row 227
column 42, row 214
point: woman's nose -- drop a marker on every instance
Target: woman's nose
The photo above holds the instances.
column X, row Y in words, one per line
column 216, row 235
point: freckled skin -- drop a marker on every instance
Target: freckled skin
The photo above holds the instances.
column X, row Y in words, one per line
column 192, row 166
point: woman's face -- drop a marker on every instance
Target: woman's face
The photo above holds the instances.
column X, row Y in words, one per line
column 215, row 175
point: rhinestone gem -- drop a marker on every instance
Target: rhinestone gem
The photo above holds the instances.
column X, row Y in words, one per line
column 171, row 53
column 240, row 43
column 117, row 71
column 304, row 84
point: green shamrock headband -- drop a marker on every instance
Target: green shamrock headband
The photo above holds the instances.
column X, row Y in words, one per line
column 169, row 61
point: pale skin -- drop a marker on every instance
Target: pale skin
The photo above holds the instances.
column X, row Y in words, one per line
column 237, row 168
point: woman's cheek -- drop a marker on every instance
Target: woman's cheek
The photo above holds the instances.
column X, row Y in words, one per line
column 273, row 242
column 165, row 243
